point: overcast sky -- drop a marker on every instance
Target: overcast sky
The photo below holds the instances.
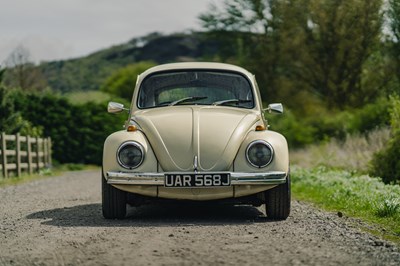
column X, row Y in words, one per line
column 61, row 29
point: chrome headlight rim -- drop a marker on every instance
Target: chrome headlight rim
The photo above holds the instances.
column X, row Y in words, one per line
column 260, row 142
column 133, row 143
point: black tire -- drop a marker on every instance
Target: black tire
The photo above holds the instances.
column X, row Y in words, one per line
column 277, row 201
column 113, row 201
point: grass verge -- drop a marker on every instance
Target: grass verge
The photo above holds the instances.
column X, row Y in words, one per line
column 353, row 153
column 82, row 97
column 358, row 196
column 45, row 173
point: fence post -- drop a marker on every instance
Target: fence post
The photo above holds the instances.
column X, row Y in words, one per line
column 42, row 152
column 37, row 154
column 29, row 154
column 18, row 154
column 4, row 155
column 49, row 151
column 45, row 157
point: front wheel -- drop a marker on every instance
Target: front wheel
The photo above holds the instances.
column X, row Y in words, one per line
column 113, row 201
column 277, row 201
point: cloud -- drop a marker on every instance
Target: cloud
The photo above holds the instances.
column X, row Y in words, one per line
column 69, row 28
column 41, row 48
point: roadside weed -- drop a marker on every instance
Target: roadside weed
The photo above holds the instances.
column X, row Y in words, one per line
column 358, row 196
column 387, row 208
column 354, row 153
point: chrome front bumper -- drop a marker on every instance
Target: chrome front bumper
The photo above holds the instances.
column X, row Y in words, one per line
column 157, row 179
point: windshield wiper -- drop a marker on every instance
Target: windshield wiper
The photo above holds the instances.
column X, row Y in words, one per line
column 188, row 99
column 235, row 101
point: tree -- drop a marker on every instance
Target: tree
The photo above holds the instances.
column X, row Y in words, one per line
column 386, row 162
column 319, row 46
column 11, row 119
column 341, row 36
column 122, row 82
column 22, row 73
column 2, row 72
column 248, row 31
column 394, row 23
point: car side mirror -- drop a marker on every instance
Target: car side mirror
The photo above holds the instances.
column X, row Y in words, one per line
column 274, row 108
column 114, row 108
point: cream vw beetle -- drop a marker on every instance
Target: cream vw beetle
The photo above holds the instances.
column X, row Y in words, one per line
column 196, row 131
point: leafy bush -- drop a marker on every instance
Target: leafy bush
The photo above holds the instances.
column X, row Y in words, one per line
column 11, row 119
column 370, row 116
column 121, row 83
column 77, row 131
column 323, row 125
column 386, row 163
column 296, row 131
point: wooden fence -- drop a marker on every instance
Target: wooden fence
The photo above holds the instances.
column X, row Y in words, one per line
column 23, row 154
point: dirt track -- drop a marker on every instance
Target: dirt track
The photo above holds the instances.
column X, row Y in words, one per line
column 58, row 221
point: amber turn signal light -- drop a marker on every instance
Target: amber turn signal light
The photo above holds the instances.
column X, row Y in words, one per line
column 260, row 128
column 132, row 128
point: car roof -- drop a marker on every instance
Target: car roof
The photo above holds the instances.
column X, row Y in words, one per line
column 196, row 65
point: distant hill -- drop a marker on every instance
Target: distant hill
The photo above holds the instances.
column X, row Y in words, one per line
column 87, row 73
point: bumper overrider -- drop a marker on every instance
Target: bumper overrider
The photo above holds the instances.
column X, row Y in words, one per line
column 158, row 179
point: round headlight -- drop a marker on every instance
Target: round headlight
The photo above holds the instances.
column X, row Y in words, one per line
column 259, row 153
column 130, row 155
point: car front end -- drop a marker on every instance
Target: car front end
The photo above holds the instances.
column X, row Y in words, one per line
column 211, row 146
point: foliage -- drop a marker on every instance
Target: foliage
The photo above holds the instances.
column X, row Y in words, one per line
column 386, row 163
column 82, row 97
column 353, row 153
column 11, row 119
column 312, row 45
column 320, row 125
column 387, row 208
column 77, row 131
column 342, row 37
column 297, row 132
column 369, row 117
column 2, row 72
column 394, row 23
column 353, row 195
column 22, row 73
column 122, row 81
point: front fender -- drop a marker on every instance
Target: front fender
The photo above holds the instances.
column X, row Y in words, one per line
column 115, row 140
column 280, row 161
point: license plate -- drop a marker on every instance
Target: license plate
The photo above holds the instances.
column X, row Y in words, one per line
column 197, row 180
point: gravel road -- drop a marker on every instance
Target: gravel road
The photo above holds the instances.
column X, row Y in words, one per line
column 58, row 221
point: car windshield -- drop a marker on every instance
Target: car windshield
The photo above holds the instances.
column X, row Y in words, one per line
column 196, row 87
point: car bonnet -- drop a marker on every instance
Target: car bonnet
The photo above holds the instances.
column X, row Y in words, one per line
column 212, row 134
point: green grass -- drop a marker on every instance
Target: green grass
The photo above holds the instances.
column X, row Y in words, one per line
column 15, row 180
column 44, row 173
column 82, row 97
column 358, row 196
column 353, row 153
